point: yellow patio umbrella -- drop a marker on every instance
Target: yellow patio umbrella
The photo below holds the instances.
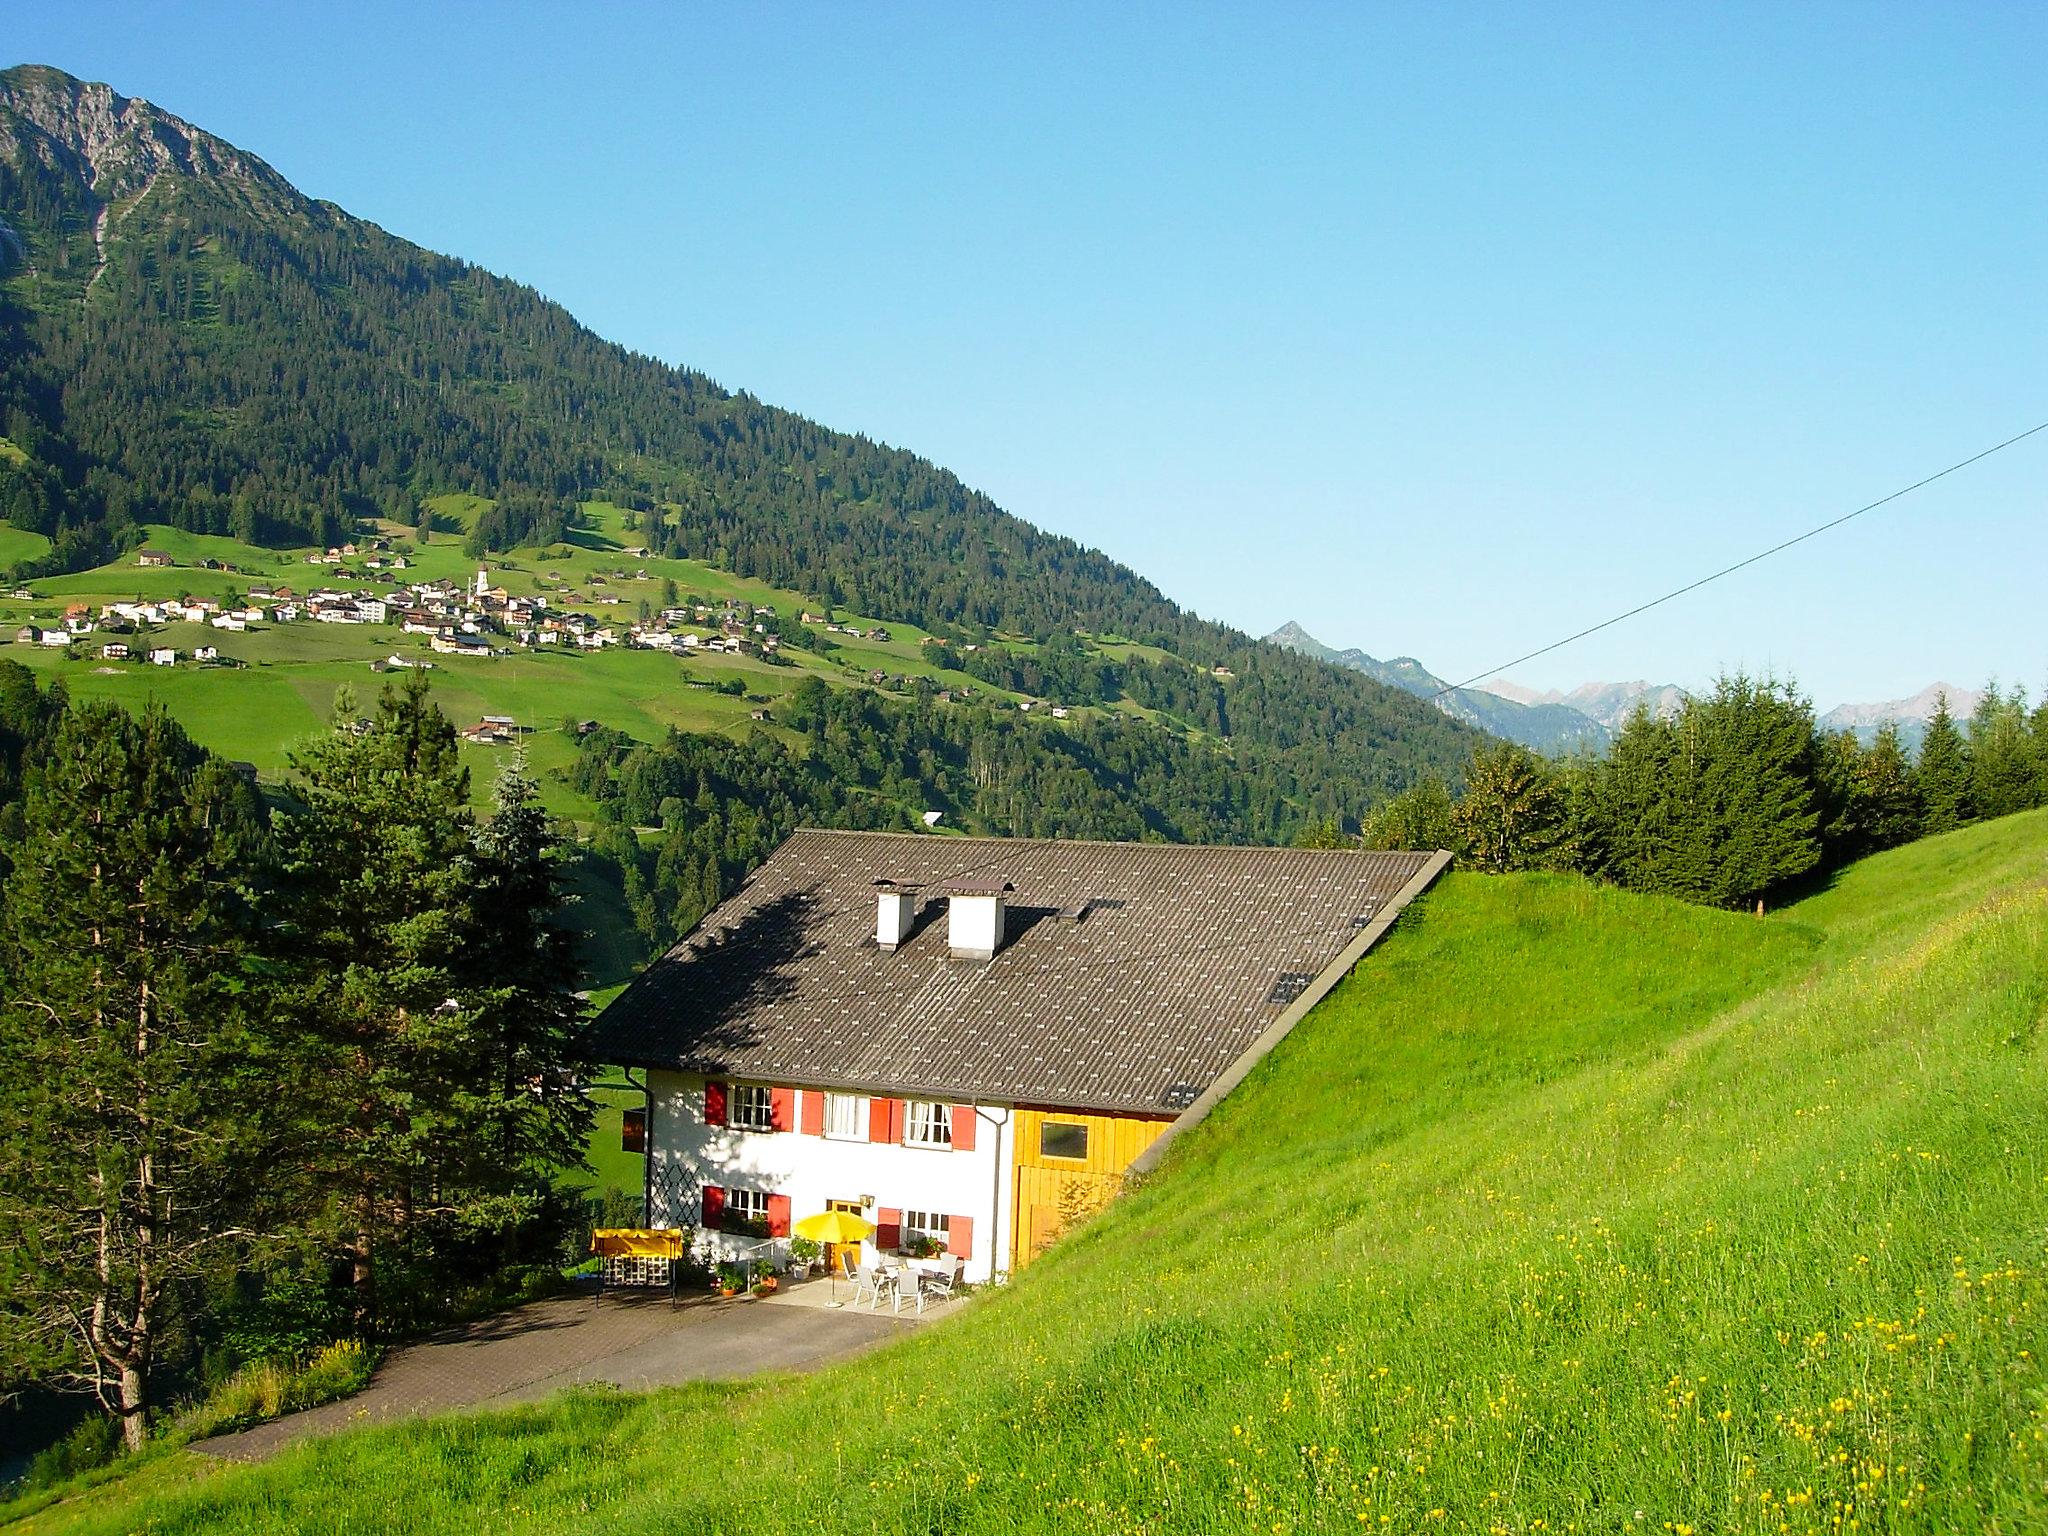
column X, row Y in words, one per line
column 834, row 1227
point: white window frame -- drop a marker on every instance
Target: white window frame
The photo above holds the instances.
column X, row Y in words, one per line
column 747, row 1204
column 855, row 1109
column 933, row 1224
column 750, row 1107
column 928, row 1123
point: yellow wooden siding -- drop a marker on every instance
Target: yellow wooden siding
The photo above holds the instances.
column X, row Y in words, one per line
column 1050, row 1190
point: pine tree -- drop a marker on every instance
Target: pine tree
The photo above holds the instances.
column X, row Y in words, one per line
column 132, row 1142
column 1942, row 775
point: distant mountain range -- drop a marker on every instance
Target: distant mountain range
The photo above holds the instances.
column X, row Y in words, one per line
column 1610, row 704
column 1547, row 724
column 1589, row 716
column 1911, row 714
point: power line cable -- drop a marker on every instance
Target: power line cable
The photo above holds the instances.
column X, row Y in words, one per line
column 1694, row 586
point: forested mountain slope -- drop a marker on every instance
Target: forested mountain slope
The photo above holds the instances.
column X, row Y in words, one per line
column 187, row 340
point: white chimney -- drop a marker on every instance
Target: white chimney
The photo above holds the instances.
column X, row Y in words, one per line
column 974, row 918
column 895, row 909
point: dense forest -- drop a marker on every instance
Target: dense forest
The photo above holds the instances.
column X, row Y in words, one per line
column 719, row 805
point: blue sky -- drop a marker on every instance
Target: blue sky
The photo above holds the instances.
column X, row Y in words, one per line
column 1443, row 329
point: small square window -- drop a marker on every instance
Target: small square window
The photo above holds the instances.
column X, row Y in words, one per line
column 1059, row 1139
column 746, row 1212
column 753, row 1107
column 930, row 1125
column 925, row 1227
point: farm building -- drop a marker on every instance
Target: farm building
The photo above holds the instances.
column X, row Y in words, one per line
column 969, row 1040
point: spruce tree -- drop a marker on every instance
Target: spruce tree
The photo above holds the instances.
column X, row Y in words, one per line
column 1892, row 809
column 2002, row 767
column 1941, row 777
column 527, row 1118
column 377, row 872
column 132, row 1139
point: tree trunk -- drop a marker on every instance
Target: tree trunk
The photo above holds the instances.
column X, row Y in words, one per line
column 134, row 1404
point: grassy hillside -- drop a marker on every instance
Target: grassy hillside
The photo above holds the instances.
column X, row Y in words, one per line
column 1574, row 1210
column 285, row 690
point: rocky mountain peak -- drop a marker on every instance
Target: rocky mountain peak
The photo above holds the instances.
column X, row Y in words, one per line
column 112, row 143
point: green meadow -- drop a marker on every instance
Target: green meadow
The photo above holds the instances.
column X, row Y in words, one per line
column 285, row 687
column 1573, row 1210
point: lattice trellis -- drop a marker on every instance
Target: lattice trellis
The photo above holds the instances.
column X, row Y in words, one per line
column 676, row 1196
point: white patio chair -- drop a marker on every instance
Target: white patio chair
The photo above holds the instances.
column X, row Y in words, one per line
column 940, row 1283
column 909, row 1290
column 868, row 1282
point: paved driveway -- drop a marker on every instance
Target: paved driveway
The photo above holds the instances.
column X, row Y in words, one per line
column 531, row 1351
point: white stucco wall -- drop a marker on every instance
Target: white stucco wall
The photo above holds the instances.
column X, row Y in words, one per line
column 685, row 1154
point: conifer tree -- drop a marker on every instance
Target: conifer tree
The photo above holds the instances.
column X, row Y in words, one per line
column 1942, row 775
column 377, row 874
column 1892, row 809
column 132, row 1142
column 2002, row 766
column 527, row 1117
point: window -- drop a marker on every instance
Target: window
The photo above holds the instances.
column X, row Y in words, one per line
column 1058, row 1139
column 753, row 1107
column 746, row 1211
column 921, row 1227
column 930, row 1125
column 846, row 1117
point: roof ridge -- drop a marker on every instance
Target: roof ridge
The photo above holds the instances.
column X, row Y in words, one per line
column 1103, row 842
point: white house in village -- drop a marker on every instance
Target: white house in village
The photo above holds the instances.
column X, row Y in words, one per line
column 968, row 1040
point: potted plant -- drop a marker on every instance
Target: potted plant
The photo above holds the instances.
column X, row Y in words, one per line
column 764, row 1277
column 803, row 1255
column 730, row 1278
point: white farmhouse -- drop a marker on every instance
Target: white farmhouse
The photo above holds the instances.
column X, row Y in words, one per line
column 965, row 1040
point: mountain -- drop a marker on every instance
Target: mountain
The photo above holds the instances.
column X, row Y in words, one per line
column 1610, row 704
column 188, row 341
column 1910, row 715
column 1544, row 724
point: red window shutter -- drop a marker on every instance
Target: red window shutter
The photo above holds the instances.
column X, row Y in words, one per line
column 885, row 1120
column 813, row 1116
column 714, row 1103
column 960, row 1236
column 963, row 1127
column 714, row 1208
column 782, row 1109
column 633, row 1131
column 888, row 1228
column 778, row 1215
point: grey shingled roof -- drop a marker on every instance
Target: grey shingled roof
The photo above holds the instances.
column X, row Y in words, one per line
column 1179, row 959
